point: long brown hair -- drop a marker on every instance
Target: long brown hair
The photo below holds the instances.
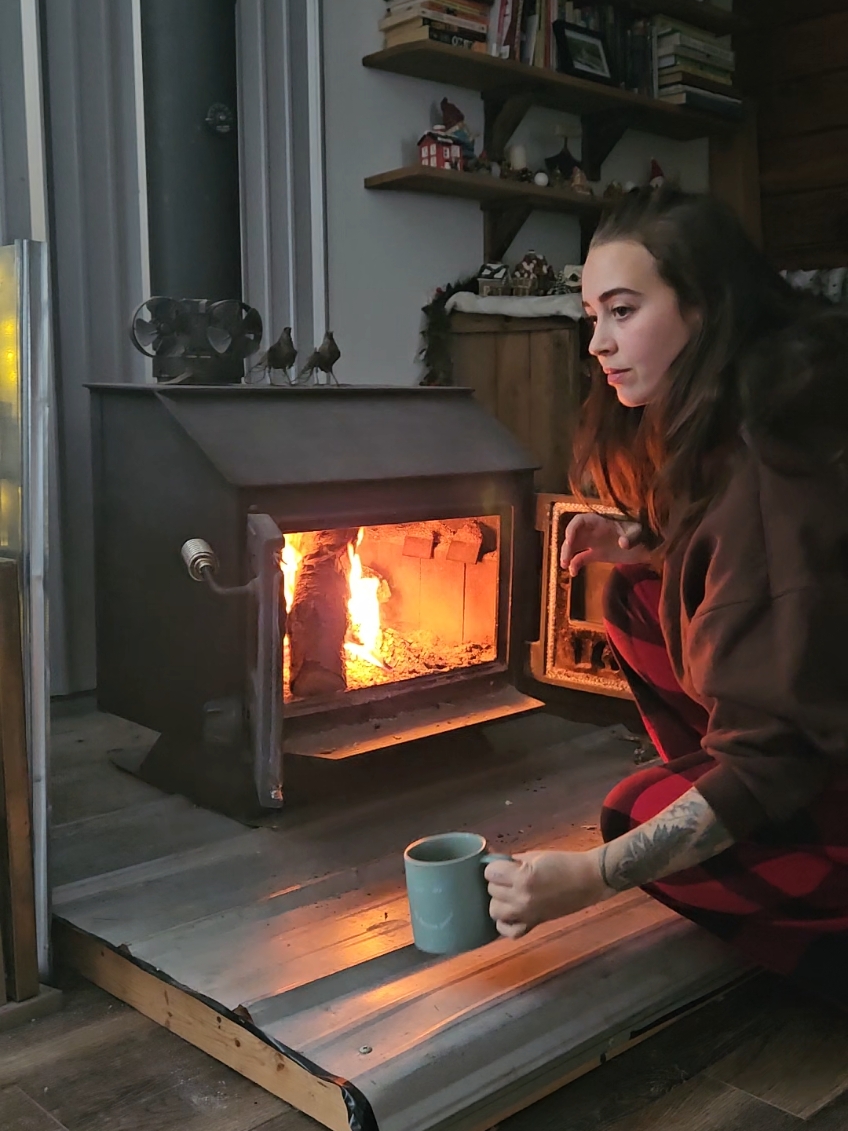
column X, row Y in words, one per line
column 662, row 457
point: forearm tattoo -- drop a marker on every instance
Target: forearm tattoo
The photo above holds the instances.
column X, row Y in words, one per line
column 681, row 836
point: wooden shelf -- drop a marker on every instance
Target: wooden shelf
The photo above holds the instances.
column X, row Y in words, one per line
column 509, row 89
column 506, row 204
column 493, row 191
column 503, row 80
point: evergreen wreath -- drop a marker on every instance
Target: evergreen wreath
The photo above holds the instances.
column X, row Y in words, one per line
column 435, row 349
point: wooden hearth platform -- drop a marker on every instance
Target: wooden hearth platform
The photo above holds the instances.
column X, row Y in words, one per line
column 286, row 952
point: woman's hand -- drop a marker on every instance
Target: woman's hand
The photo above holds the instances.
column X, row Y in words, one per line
column 537, row 886
column 591, row 537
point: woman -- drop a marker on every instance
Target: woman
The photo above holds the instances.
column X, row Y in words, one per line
column 718, row 424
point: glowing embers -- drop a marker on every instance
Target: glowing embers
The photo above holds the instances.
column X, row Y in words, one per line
column 380, row 604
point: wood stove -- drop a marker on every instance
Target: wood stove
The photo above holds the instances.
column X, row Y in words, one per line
column 361, row 567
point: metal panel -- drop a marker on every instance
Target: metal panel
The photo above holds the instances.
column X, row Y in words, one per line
column 15, row 203
column 306, row 928
column 265, row 660
column 120, row 840
column 24, row 407
column 299, row 437
column 326, row 897
column 166, row 644
column 268, row 215
column 99, row 258
column 317, row 173
column 35, row 358
column 450, row 1041
column 284, row 250
column 317, row 958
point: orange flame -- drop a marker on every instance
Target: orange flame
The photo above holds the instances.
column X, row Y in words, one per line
column 363, row 609
column 290, row 560
column 365, row 635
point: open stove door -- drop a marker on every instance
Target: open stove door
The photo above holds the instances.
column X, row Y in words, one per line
column 571, row 650
column 265, row 658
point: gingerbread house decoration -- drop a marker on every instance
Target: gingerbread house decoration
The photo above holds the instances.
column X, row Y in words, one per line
column 439, row 150
column 493, row 279
column 569, row 280
column 533, row 276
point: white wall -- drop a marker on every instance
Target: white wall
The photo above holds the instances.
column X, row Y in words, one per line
column 388, row 251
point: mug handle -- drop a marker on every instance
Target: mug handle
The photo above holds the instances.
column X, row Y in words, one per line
column 490, row 857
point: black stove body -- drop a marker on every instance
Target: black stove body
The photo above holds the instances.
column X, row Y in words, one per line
column 242, row 469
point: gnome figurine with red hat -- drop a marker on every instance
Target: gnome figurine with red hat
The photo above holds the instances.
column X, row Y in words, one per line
column 657, row 177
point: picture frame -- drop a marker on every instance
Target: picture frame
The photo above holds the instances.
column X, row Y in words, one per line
column 582, row 53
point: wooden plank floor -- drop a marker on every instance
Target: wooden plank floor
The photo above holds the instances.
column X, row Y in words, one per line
column 764, row 1057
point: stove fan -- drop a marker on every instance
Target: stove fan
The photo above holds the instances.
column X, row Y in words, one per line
column 195, row 341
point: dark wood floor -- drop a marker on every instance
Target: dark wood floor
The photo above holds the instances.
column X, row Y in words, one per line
column 763, row 1058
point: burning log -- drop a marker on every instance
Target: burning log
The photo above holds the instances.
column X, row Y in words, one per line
column 318, row 617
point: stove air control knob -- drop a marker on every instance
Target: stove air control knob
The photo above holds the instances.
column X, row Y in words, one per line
column 198, row 556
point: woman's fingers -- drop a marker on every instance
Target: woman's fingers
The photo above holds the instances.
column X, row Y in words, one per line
column 565, row 551
column 630, row 532
column 501, row 873
column 592, row 537
column 502, row 907
column 511, row 930
column 507, row 884
column 579, row 560
column 507, row 916
column 576, row 526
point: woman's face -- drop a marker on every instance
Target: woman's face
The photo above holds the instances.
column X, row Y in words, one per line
column 639, row 329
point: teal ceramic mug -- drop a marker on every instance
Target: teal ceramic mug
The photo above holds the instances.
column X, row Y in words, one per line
column 448, row 896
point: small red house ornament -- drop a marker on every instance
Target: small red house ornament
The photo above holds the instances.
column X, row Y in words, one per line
column 439, row 151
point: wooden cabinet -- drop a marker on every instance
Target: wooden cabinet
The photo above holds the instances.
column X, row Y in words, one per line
column 526, row 371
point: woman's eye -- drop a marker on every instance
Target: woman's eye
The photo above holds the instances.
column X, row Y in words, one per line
column 621, row 311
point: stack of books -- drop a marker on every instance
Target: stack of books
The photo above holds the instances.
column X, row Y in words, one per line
column 505, row 28
column 523, row 30
column 657, row 56
column 695, row 68
column 533, row 39
column 458, row 23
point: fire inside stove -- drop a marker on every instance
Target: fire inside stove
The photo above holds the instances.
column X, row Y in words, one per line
column 381, row 604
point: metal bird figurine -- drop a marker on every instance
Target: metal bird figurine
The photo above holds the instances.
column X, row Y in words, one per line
column 323, row 358
column 279, row 359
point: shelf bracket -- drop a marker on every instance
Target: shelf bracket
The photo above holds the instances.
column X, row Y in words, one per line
column 587, row 230
column 602, row 130
column 500, row 227
column 503, row 112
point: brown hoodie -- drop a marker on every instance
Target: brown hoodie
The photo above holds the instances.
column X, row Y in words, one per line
column 755, row 614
